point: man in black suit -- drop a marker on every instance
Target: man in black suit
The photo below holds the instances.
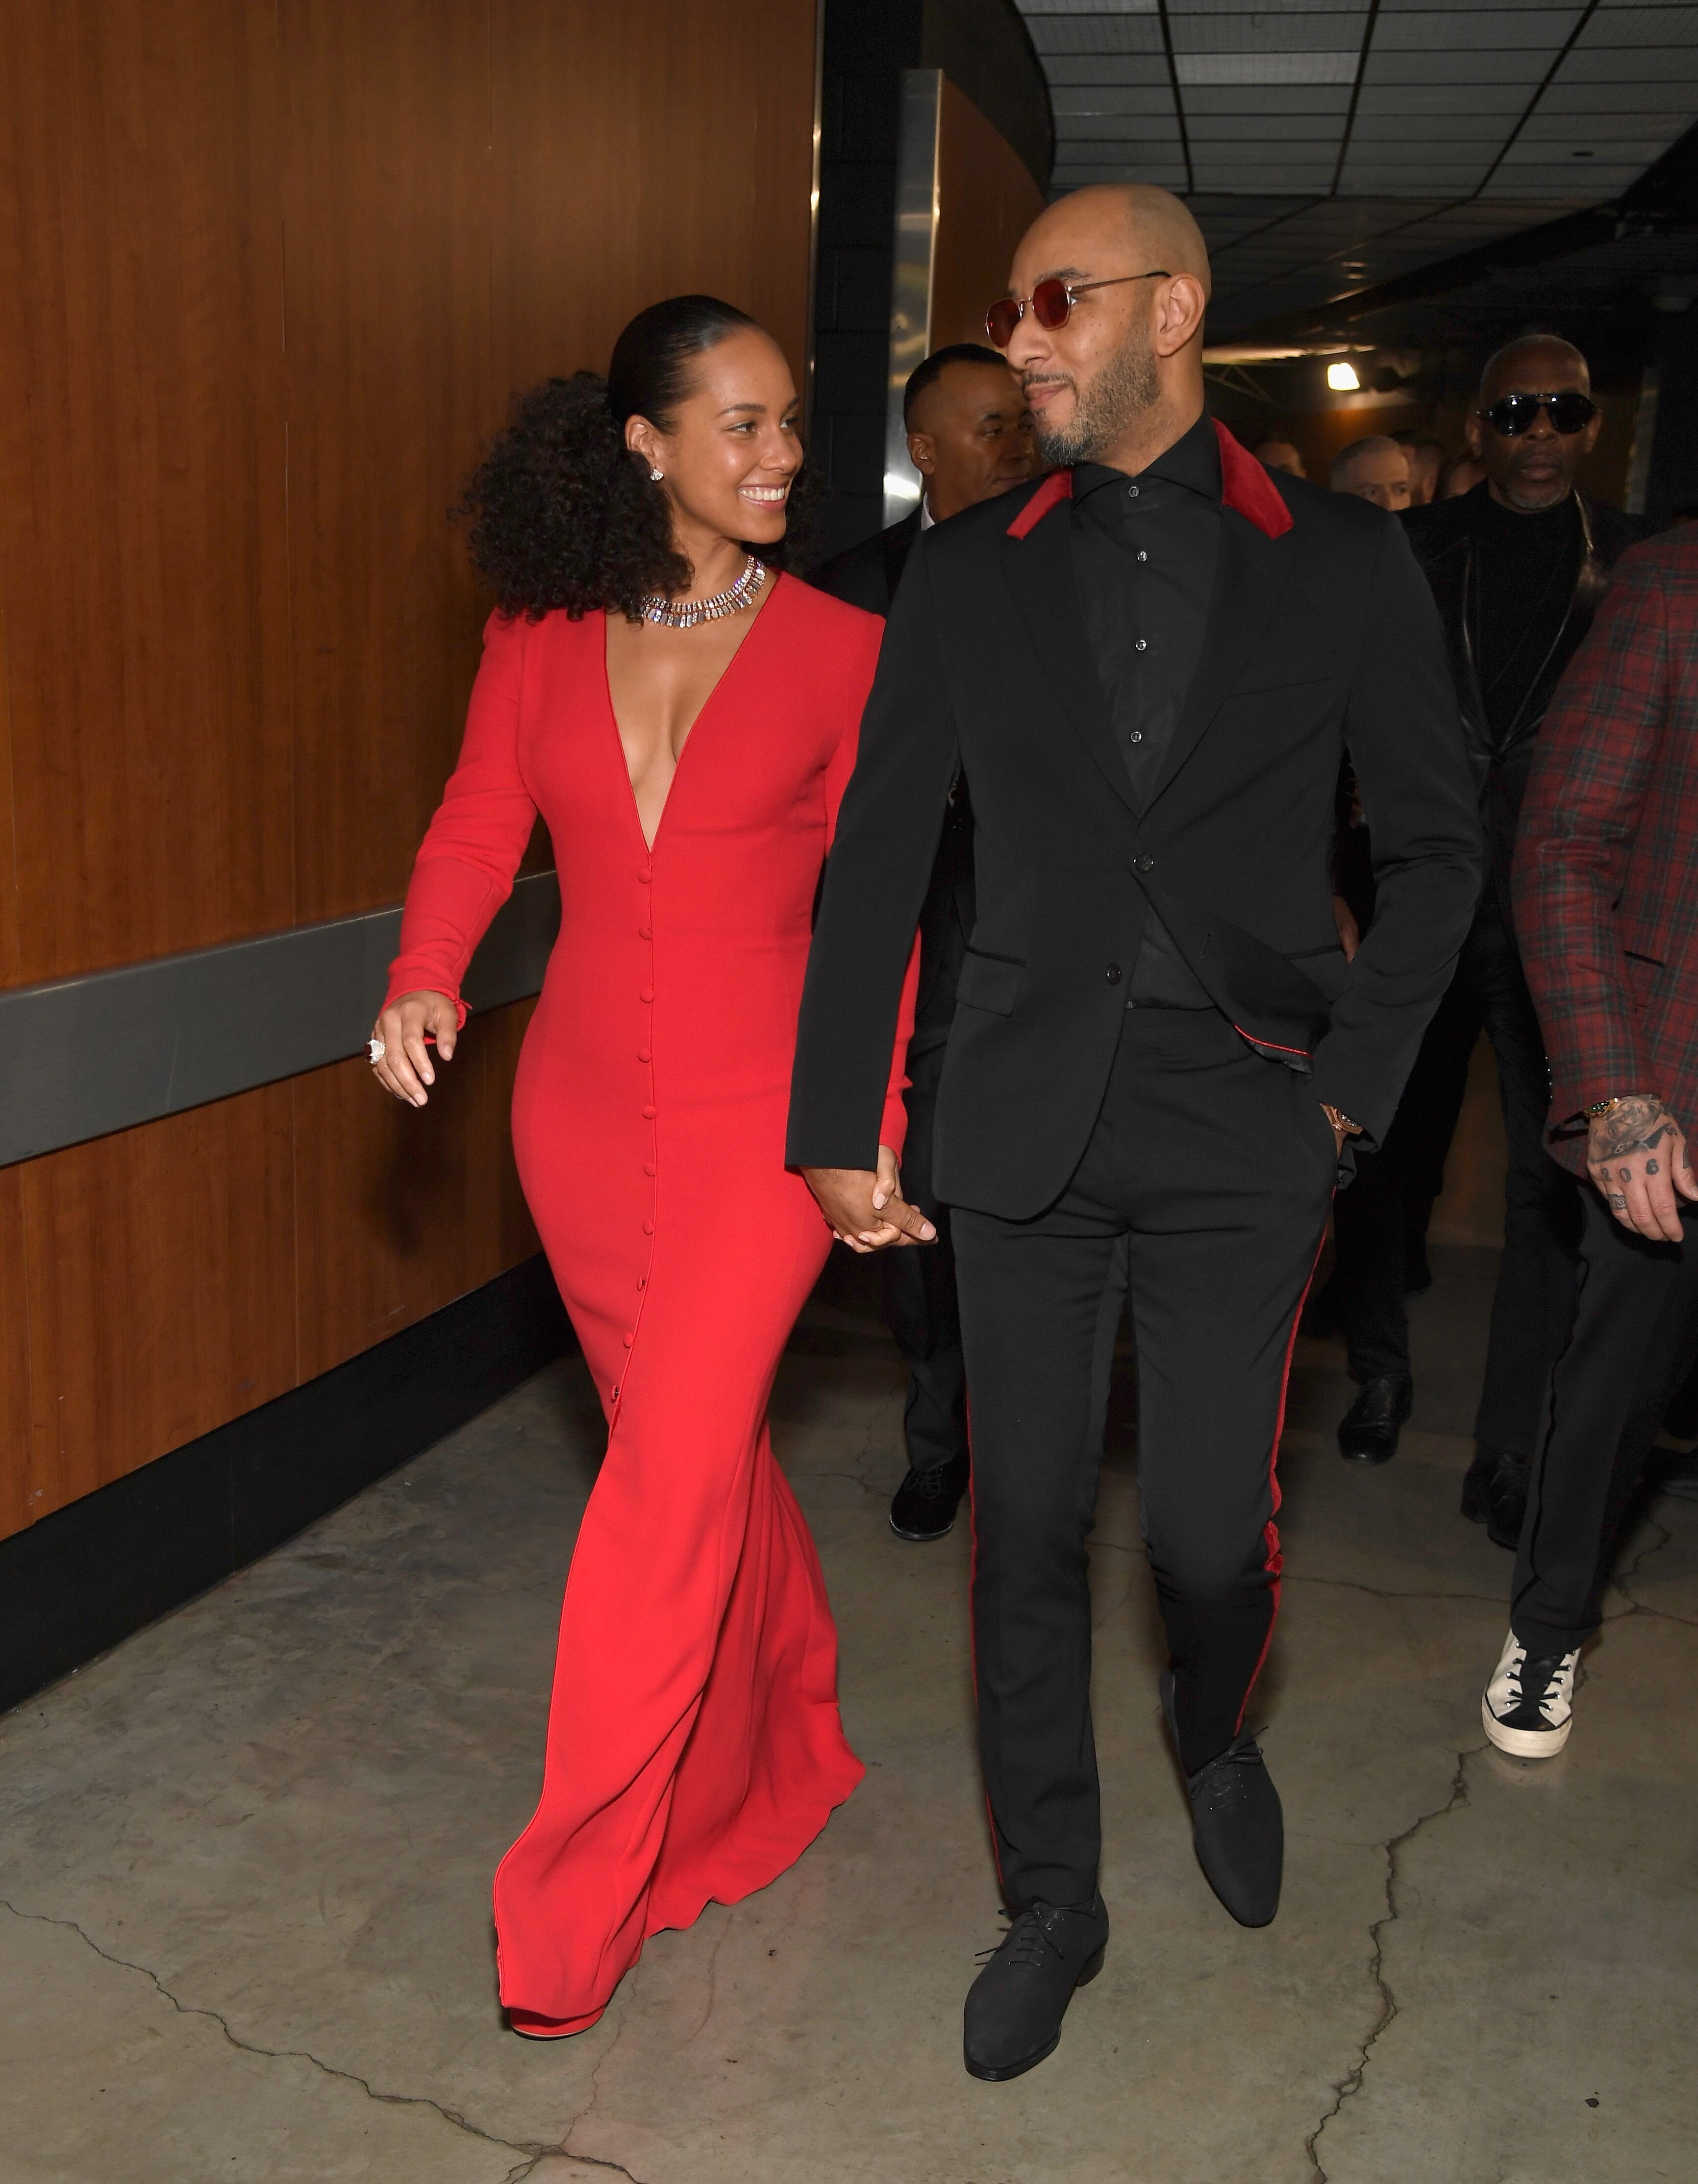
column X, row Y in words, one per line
column 969, row 436
column 1149, row 667
column 1517, row 567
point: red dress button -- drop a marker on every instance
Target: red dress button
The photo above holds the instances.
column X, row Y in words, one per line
column 643, row 1054
column 629, row 1340
column 647, row 1114
column 648, row 1227
column 645, row 933
column 616, row 1394
column 645, row 878
column 649, row 1167
column 646, row 994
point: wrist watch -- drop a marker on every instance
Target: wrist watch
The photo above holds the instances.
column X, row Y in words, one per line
column 1340, row 1121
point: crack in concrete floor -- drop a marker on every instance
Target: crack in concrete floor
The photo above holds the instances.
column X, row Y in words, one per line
column 532, row 2152
column 1353, row 2079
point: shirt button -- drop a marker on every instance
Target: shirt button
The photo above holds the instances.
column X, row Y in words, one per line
column 1112, row 974
column 1132, row 492
column 629, row 1340
column 648, row 1227
column 649, row 1167
column 1142, row 555
column 646, row 994
column 616, row 1394
column 647, row 1114
column 1140, row 644
column 1136, row 737
column 1145, row 864
column 645, row 878
column 643, row 1054
column 643, row 1281
column 645, row 933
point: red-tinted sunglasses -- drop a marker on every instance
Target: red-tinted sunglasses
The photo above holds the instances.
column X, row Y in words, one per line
column 1051, row 304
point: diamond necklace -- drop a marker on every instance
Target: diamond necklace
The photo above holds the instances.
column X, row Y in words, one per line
column 670, row 614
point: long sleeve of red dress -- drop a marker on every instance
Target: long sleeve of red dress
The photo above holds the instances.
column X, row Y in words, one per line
column 694, row 1747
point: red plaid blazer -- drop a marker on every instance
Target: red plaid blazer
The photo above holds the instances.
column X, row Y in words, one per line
column 1606, row 856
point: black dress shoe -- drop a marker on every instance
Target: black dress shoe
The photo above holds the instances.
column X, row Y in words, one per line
column 925, row 1504
column 1236, row 1824
column 1506, row 1502
column 1477, row 1484
column 1014, row 2007
column 1368, row 1431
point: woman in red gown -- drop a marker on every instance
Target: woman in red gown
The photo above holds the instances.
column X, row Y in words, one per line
column 690, row 778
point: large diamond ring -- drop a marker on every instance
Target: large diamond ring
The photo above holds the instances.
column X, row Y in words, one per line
column 374, row 1047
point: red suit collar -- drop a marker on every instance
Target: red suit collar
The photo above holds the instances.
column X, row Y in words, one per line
column 1246, row 486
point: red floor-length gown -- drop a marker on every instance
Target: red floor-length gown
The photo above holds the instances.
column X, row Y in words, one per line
column 694, row 1747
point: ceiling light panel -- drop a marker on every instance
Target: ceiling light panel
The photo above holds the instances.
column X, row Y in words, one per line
column 1258, row 67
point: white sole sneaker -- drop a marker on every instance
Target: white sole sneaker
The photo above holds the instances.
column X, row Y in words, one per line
column 1524, row 1743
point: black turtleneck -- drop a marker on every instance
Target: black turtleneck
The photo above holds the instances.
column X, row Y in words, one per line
column 1525, row 567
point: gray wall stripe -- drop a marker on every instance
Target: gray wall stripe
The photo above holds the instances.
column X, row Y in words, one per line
column 81, row 1058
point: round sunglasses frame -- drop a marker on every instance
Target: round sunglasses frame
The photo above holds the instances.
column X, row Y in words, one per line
column 1069, row 292
column 1523, row 419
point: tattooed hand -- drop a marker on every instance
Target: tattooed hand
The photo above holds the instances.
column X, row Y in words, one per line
column 1636, row 1155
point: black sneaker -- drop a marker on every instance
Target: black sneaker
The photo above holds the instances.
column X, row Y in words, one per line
column 925, row 1504
column 1529, row 1707
column 1238, row 1824
column 1014, row 2007
column 1368, row 1431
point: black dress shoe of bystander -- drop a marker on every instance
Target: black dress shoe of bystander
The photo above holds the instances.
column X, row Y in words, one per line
column 1014, row 2007
column 1368, row 1431
column 1506, row 1502
column 1477, row 1483
column 1238, row 1824
column 924, row 1505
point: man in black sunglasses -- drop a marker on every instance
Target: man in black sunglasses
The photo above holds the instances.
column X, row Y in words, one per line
column 1517, row 566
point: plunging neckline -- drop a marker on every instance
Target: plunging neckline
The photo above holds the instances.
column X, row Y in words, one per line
column 720, row 681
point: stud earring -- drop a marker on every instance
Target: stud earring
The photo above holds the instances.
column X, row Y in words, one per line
column 655, row 475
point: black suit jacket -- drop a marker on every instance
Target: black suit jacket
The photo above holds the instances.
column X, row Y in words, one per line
column 1322, row 633
column 867, row 575
column 1443, row 535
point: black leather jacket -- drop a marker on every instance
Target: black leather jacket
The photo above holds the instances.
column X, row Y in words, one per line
column 1443, row 535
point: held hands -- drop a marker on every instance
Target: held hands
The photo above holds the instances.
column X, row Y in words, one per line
column 866, row 1210
column 1636, row 1155
column 405, row 1067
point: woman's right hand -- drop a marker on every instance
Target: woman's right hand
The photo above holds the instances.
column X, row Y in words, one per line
column 405, row 1067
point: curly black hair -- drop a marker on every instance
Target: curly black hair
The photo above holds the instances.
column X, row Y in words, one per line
column 563, row 515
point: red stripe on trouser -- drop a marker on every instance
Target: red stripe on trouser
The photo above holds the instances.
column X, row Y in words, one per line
column 973, row 1620
column 1274, row 1562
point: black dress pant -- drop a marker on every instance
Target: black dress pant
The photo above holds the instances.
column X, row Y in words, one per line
column 1386, row 1208
column 1208, row 1176
column 920, row 1291
column 1635, row 1323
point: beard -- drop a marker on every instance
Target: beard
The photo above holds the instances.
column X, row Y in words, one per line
column 1103, row 408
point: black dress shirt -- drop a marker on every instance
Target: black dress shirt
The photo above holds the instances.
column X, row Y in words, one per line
column 1144, row 550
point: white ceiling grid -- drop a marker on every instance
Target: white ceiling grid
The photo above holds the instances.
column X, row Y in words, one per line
column 1329, row 145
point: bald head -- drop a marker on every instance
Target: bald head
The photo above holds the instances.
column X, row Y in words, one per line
column 1156, row 224
column 1534, row 360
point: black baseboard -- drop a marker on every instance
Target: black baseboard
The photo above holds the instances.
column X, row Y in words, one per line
column 91, row 1573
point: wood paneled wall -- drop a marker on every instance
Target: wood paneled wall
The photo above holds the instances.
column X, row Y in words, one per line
column 270, row 270
column 987, row 200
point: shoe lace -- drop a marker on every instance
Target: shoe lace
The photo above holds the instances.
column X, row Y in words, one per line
column 929, row 1486
column 1541, row 1673
column 1027, row 1941
column 1226, row 1781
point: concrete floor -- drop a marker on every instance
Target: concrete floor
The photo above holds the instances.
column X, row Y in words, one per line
column 246, row 1859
